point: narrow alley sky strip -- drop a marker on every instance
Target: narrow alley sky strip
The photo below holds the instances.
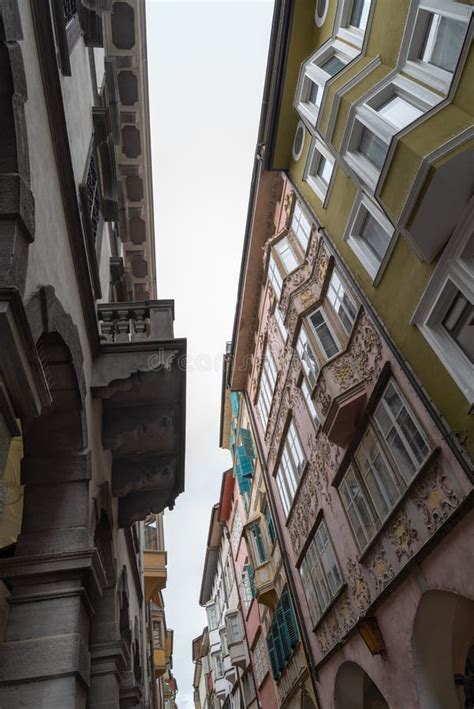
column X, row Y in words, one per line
column 206, row 63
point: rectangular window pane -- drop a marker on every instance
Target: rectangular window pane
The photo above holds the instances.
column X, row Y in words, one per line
column 332, row 65
column 357, row 508
column 341, row 301
column 324, row 334
column 373, row 147
column 379, row 479
column 324, row 169
column 309, row 402
column 375, row 237
column 274, row 277
column 320, row 572
column 459, row 322
column 307, row 356
column 359, row 14
column 443, row 41
column 301, row 227
column 286, row 254
column 399, row 112
column 404, row 438
column 315, row 94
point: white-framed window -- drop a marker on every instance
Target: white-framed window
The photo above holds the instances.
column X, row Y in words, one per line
column 224, row 645
column 275, row 277
column 319, row 169
column 234, row 628
column 309, row 401
column 298, row 141
column 369, row 234
column 286, row 254
column 325, row 335
column 342, row 302
column 386, row 110
column 444, row 314
column 320, row 573
column 218, row 667
column 328, row 61
column 281, row 324
column 391, row 452
column 301, row 226
column 212, row 616
column 267, row 386
column 437, row 39
column 353, row 21
column 307, row 356
column 236, row 530
column 291, row 467
column 260, row 660
column 228, row 575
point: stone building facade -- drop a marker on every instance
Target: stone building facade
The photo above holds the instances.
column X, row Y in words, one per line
column 92, row 383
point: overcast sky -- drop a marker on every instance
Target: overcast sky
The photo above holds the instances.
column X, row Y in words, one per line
column 206, row 72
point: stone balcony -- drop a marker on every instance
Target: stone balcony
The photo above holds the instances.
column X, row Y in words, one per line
column 264, row 582
column 140, row 376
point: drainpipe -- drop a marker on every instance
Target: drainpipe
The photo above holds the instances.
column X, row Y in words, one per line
column 286, row 563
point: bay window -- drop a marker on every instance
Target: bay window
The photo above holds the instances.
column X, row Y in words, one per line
column 307, row 356
column 389, row 456
column 257, row 543
column 353, row 21
column 438, row 36
column 286, row 255
column 315, row 73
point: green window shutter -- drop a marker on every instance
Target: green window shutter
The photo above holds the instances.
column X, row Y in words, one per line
column 290, row 619
column 270, row 525
column 234, row 402
column 246, row 463
column 283, row 632
column 247, row 441
column 257, row 535
column 243, row 481
column 272, row 655
column 250, row 574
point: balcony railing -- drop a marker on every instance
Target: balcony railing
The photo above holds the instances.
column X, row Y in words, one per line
column 135, row 321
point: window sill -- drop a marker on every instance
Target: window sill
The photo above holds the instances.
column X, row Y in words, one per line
column 400, row 502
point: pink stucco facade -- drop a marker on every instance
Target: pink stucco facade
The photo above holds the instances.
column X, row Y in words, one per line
column 417, row 564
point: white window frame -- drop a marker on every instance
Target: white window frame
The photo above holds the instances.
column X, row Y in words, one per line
column 319, row 588
column 290, row 469
column 301, row 226
column 303, row 343
column 277, row 244
column 305, row 390
column 363, row 205
column 331, row 331
column 212, row 616
column 335, row 292
column 274, row 276
column 320, row 18
column 231, row 637
column 317, row 151
column 453, row 273
column 246, row 590
column 348, row 32
column 311, row 71
column 436, row 77
column 281, row 323
column 366, row 116
column 297, row 153
column 267, row 386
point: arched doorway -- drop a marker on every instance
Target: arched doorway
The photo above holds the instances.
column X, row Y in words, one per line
column 354, row 689
column 443, row 655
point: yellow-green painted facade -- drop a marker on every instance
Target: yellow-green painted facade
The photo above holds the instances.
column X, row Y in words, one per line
column 397, row 291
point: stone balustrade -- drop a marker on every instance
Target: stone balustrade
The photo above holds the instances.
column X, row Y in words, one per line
column 136, row 321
